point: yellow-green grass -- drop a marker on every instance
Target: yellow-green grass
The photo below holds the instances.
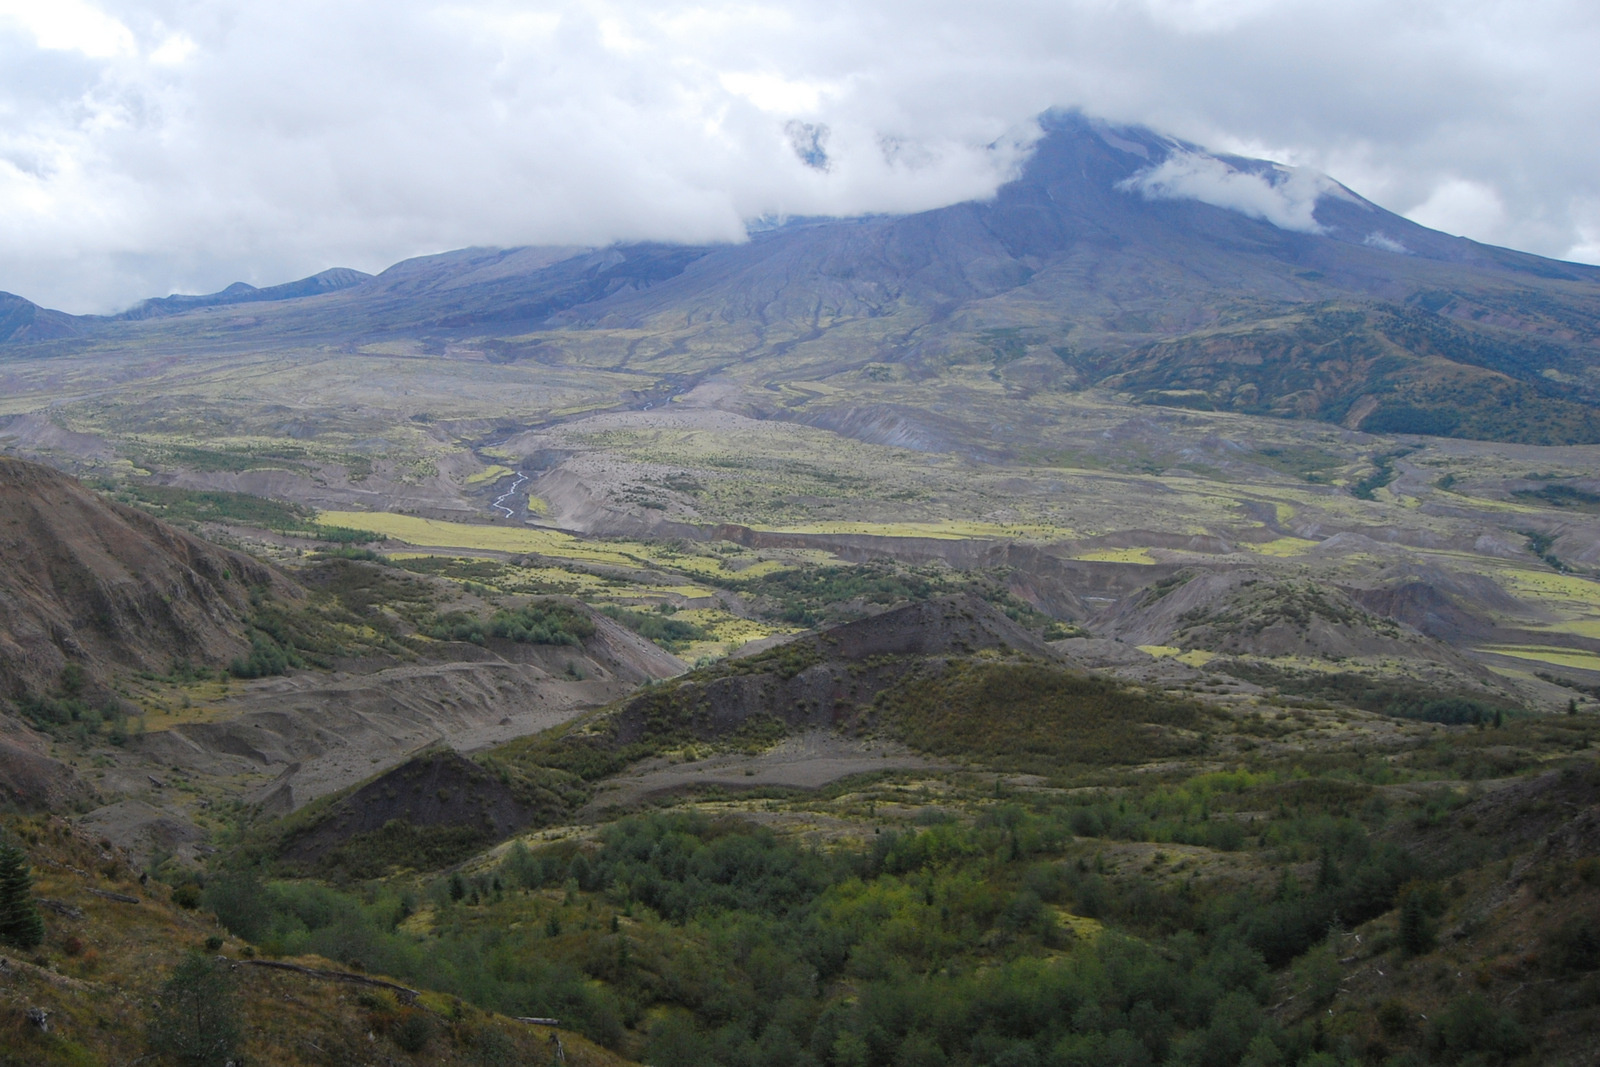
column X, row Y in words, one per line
column 513, row 579
column 165, row 704
column 1283, row 547
column 1506, row 505
column 488, row 474
column 1083, row 928
column 1115, row 555
column 727, row 633
column 1578, row 595
column 638, row 589
column 457, row 535
column 943, row 529
column 1195, row 657
column 1560, row 657
column 762, row 568
column 686, row 563
column 1582, row 627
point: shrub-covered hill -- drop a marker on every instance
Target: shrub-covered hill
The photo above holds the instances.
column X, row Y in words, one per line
column 952, row 677
column 128, row 962
column 1314, row 638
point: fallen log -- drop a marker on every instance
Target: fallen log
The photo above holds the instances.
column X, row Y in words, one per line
column 408, row 995
column 120, row 898
column 60, row 908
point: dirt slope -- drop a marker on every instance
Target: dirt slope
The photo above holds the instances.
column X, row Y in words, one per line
column 89, row 582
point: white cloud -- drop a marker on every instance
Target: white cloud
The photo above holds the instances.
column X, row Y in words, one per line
column 771, row 92
column 69, row 25
column 1283, row 196
column 1458, row 206
column 173, row 51
column 1382, row 241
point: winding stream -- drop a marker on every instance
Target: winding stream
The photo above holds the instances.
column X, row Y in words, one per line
column 500, row 501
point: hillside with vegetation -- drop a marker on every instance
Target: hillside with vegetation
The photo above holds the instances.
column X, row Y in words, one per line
column 1067, row 629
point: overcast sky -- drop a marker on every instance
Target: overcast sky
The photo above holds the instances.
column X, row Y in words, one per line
column 152, row 146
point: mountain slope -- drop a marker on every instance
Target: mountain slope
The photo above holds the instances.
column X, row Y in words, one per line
column 23, row 321
column 1117, row 257
column 89, row 584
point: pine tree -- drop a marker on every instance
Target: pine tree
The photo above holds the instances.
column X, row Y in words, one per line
column 196, row 1021
column 1416, row 933
column 20, row 925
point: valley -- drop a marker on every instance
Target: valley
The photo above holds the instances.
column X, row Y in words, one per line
column 1072, row 628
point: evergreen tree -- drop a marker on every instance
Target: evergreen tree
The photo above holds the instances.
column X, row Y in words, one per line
column 1416, row 933
column 20, row 925
column 196, row 1021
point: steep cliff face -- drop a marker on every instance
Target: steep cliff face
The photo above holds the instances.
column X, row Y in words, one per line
column 90, row 584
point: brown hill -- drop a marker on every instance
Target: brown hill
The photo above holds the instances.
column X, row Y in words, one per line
column 1244, row 612
column 425, row 813
column 89, row 585
column 821, row 679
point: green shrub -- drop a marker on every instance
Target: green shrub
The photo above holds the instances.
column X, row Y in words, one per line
column 543, row 622
column 266, row 657
column 413, row 1030
column 674, row 635
column 1036, row 718
column 1473, row 1026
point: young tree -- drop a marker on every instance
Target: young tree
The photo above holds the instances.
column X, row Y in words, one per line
column 20, row 924
column 1416, row 933
column 196, row 1021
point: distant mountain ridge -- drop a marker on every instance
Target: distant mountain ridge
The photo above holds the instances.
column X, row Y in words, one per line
column 1118, row 258
column 23, row 320
column 328, row 281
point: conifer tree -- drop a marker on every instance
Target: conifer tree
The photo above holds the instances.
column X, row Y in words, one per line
column 20, row 925
column 196, row 1021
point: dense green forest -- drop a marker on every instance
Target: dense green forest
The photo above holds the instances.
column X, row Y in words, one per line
column 1014, row 936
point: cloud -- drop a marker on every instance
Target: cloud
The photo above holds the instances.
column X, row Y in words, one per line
column 1457, row 206
column 148, row 146
column 1382, row 241
column 69, row 25
column 1283, row 196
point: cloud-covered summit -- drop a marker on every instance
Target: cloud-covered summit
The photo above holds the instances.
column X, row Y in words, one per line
column 149, row 147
